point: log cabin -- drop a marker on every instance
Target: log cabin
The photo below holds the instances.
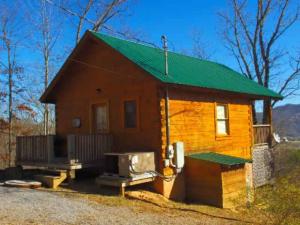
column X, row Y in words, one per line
column 114, row 95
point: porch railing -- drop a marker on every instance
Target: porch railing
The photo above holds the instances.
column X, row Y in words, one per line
column 35, row 148
column 88, row 148
column 262, row 134
column 82, row 148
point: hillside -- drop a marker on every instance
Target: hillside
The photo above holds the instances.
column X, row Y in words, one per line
column 286, row 120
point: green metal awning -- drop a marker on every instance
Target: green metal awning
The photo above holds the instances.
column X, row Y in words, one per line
column 220, row 158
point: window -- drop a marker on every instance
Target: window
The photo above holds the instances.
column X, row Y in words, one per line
column 130, row 114
column 222, row 119
column 100, row 112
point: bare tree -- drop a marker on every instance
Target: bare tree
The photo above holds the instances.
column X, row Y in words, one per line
column 200, row 47
column 49, row 36
column 9, row 70
column 95, row 13
column 254, row 42
column 45, row 28
column 84, row 11
column 3, row 92
column 46, row 48
column 9, row 41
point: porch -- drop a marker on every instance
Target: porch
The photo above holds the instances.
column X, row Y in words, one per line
column 83, row 151
column 262, row 134
column 87, row 150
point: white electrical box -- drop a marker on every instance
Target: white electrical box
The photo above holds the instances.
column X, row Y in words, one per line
column 178, row 154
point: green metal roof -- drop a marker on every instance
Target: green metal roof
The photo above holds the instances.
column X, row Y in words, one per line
column 186, row 70
column 220, row 158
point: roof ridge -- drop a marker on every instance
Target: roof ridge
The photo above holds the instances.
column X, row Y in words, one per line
column 149, row 46
column 126, row 40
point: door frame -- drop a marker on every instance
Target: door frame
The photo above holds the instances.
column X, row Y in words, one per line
column 91, row 119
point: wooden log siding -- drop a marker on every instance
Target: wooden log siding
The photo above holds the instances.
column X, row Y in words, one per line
column 88, row 148
column 35, row 148
column 262, row 134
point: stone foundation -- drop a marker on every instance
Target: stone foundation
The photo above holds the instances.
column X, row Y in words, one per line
column 263, row 162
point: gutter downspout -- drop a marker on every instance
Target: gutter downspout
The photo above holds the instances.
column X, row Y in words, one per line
column 165, row 47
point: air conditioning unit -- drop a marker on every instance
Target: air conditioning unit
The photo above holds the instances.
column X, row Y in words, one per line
column 130, row 164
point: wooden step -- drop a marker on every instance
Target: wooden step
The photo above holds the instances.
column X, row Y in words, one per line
column 52, row 172
column 51, row 181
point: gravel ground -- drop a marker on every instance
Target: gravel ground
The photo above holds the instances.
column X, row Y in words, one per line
column 25, row 206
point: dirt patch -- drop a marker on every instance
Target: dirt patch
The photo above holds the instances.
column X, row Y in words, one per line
column 25, row 206
column 140, row 200
column 85, row 202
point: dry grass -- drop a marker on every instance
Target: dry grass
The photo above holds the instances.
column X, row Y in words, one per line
column 139, row 200
column 288, row 157
column 279, row 203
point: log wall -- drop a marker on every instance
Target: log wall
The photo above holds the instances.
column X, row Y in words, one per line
column 94, row 78
column 192, row 120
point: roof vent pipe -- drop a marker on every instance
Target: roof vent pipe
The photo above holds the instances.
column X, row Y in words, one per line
column 165, row 47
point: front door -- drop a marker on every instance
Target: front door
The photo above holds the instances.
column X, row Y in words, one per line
column 100, row 118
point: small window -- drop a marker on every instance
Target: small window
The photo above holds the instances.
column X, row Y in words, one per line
column 222, row 120
column 130, row 114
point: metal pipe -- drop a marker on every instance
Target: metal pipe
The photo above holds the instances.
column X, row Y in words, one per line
column 165, row 47
column 167, row 118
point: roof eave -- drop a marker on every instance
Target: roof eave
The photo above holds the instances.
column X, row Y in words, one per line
column 251, row 96
column 45, row 96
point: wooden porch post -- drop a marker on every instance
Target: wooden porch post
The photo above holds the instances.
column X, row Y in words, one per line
column 71, row 175
column 71, row 148
column 269, row 121
column 50, row 148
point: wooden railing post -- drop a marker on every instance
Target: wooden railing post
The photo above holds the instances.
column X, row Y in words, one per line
column 35, row 149
column 50, row 148
column 82, row 148
column 271, row 127
column 262, row 134
column 71, row 148
column 88, row 148
column 18, row 149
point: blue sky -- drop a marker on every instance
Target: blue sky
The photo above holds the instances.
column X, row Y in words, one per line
column 175, row 18
column 178, row 19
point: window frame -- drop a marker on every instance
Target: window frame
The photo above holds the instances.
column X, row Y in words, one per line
column 227, row 120
column 136, row 99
